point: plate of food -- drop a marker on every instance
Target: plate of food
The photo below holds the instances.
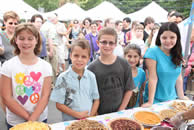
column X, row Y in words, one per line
column 124, row 124
column 86, row 124
column 167, row 114
column 31, row 125
column 147, row 118
column 180, row 106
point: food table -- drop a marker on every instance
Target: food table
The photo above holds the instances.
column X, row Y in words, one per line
column 104, row 119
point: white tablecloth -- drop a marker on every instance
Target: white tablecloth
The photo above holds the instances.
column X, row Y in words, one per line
column 125, row 113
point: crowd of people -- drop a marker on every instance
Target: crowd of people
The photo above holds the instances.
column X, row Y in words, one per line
column 111, row 67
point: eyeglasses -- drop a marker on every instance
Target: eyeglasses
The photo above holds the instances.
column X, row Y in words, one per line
column 11, row 23
column 106, row 42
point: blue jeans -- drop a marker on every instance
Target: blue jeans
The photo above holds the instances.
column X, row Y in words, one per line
column 185, row 83
column 9, row 126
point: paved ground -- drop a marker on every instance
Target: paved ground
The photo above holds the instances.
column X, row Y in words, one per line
column 53, row 116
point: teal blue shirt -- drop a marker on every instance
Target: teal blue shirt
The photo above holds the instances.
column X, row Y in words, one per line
column 167, row 73
column 139, row 80
column 74, row 93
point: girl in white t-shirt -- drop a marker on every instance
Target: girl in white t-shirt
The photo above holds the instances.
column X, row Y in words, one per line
column 26, row 79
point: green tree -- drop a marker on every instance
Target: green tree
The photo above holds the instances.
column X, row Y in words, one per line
column 127, row 6
column 182, row 6
column 90, row 4
column 48, row 5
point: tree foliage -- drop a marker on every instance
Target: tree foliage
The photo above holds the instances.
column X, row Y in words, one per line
column 127, row 6
column 90, row 4
column 48, row 5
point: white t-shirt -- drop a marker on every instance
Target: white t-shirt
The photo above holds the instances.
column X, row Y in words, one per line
column 27, row 82
column 140, row 43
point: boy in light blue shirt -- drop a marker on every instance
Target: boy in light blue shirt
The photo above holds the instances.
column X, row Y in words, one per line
column 76, row 93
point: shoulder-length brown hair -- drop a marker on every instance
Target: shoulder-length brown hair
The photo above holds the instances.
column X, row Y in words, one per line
column 31, row 28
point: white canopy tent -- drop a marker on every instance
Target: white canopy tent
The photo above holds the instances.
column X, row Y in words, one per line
column 105, row 10
column 154, row 10
column 69, row 11
column 183, row 27
column 24, row 10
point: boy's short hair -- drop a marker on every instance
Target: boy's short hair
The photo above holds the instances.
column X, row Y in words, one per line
column 127, row 19
column 83, row 43
column 94, row 22
column 107, row 31
column 139, row 26
column 134, row 23
column 148, row 20
column 118, row 22
column 33, row 18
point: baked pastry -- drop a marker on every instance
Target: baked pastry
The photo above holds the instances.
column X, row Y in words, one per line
column 31, row 125
column 124, row 124
column 180, row 106
column 147, row 118
column 167, row 113
column 86, row 125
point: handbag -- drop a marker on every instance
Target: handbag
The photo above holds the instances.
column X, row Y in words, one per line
column 133, row 99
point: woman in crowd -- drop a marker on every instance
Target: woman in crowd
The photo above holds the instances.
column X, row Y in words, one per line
column 37, row 20
column 10, row 19
column 164, row 66
column 86, row 25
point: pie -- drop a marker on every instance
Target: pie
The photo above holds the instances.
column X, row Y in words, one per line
column 167, row 113
column 31, row 125
column 180, row 106
column 124, row 124
column 147, row 118
column 86, row 125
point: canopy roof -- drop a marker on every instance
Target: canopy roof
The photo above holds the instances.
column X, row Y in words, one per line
column 69, row 11
column 105, row 10
column 154, row 10
column 24, row 10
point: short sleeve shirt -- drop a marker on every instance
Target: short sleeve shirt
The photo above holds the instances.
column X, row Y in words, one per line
column 27, row 85
column 113, row 81
column 74, row 93
column 167, row 73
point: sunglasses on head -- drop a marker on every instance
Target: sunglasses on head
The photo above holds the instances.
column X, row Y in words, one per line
column 11, row 23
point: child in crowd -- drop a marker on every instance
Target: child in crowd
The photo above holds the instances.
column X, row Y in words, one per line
column 130, row 34
column 164, row 66
column 132, row 54
column 150, row 38
column 26, row 79
column 138, row 36
column 118, row 51
column 81, row 35
column 113, row 74
column 76, row 93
